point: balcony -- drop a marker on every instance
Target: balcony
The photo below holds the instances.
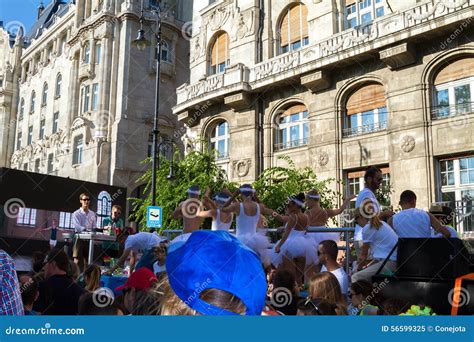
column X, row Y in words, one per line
column 290, row 144
column 365, row 129
column 450, row 111
column 304, row 65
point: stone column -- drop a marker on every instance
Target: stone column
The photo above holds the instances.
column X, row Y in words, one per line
column 268, row 146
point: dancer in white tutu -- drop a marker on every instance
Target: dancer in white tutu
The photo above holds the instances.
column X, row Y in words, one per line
column 318, row 218
column 188, row 211
column 220, row 220
column 248, row 214
column 295, row 247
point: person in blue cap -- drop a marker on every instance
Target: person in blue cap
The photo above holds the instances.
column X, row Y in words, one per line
column 213, row 273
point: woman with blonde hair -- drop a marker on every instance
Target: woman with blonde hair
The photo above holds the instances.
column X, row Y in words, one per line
column 381, row 239
column 325, row 286
column 92, row 278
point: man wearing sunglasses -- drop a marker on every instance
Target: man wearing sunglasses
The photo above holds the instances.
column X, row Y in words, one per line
column 82, row 219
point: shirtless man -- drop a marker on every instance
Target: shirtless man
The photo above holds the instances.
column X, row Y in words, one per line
column 189, row 212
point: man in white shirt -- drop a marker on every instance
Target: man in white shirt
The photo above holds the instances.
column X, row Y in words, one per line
column 327, row 252
column 415, row 223
column 82, row 219
column 366, row 198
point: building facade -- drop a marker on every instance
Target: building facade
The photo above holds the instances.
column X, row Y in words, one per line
column 86, row 94
column 10, row 53
column 337, row 86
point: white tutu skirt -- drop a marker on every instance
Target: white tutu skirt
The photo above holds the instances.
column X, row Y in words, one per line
column 298, row 244
column 258, row 242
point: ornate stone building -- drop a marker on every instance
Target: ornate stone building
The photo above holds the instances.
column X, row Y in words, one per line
column 10, row 52
column 86, row 94
column 337, row 86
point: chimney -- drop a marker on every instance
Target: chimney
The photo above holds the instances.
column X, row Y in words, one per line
column 40, row 9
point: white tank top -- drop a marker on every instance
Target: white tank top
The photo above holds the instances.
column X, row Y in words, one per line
column 247, row 224
column 412, row 223
column 217, row 224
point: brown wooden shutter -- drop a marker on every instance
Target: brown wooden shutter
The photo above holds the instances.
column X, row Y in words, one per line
column 295, row 20
column 304, row 21
column 366, row 98
column 456, row 70
column 295, row 109
column 219, row 52
column 222, row 42
column 284, row 30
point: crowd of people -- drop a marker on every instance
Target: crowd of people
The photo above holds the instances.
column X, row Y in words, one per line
column 214, row 272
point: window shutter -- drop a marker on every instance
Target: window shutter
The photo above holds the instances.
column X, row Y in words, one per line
column 295, row 19
column 304, row 20
column 294, row 109
column 456, row 70
column 284, row 29
column 222, row 43
column 366, row 98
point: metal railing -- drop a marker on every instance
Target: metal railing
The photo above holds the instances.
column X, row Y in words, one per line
column 364, row 129
column 291, row 144
column 463, row 216
column 446, row 111
column 345, row 230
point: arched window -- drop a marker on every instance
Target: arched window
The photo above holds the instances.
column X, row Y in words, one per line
column 59, row 80
column 22, row 109
column 219, row 140
column 292, row 128
column 366, row 110
column 104, row 207
column 293, row 31
column 219, row 54
column 454, row 89
column 33, row 102
column 44, row 97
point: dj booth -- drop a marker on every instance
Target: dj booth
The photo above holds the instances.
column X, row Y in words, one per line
column 435, row 272
column 42, row 198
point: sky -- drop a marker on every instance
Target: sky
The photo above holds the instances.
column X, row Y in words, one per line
column 16, row 13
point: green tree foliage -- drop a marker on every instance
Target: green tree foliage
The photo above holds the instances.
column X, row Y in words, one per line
column 196, row 168
column 275, row 184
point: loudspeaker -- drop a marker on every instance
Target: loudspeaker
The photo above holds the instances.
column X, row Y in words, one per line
column 432, row 258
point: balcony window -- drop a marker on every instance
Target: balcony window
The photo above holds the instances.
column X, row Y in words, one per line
column 364, row 13
column 95, row 96
column 366, row 111
column 30, row 135
column 219, row 140
column 41, row 131
column 457, row 188
column 18, row 140
column 292, row 128
column 454, row 89
column 219, row 57
column 293, row 30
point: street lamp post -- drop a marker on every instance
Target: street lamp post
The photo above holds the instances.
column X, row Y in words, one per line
column 142, row 43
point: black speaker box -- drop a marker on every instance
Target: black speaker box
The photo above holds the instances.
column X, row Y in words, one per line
column 435, row 258
column 436, row 294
